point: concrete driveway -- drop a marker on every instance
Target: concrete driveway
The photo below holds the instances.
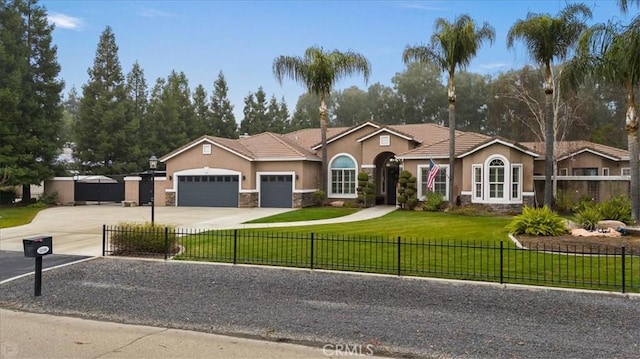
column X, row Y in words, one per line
column 78, row 230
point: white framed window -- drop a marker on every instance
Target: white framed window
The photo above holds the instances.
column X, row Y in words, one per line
column 343, row 176
column 440, row 184
column 625, row 171
column 206, row 149
column 563, row 172
column 496, row 180
column 385, row 140
column 516, row 182
column 477, row 182
column 605, row 171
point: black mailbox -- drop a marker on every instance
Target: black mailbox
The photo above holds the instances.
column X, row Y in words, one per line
column 37, row 246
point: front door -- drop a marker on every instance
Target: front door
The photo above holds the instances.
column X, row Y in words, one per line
column 392, row 181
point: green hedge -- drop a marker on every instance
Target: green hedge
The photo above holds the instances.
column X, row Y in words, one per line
column 143, row 238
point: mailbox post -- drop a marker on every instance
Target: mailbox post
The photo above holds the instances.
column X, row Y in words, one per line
column 37, row 247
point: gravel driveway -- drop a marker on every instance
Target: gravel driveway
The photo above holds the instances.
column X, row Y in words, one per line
column 400, row 316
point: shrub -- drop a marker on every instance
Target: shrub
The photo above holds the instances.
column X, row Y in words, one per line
column 366, row 190
column 470, row 209
column 589, row 217
column 617, row 208
column 318, row 197
column 583, row 202
column 49, row 199
column 407, row 190
column 434, row 202
column 538, row 222
column 143, row 238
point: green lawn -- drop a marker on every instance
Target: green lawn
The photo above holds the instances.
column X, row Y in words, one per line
column 431, row 244
column 306, row 214
column 12, row 216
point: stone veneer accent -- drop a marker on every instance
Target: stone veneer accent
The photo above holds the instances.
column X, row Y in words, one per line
column 248, row 200
column 170, row 199
column 304, row 199
column 502, row 208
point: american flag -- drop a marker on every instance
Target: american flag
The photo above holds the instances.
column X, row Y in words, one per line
column 433, row 172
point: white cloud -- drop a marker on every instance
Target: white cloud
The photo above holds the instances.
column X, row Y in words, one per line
column 420, row 6
column 154, row 13
column 493, row 66
column 64, row 21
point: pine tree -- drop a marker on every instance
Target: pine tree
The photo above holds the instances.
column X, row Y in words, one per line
column 105, row 132
column 276, row 117
column 202, row 112
column 223, row 121
column 138, row 101
column 255, row 113
column 30, row 95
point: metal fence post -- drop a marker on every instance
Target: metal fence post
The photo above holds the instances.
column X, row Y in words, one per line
column 399, row 265
column 104, row 240
column 235, row 246
column 501, row 262
column 166, row 242
column 623, row 270
column 311, row 260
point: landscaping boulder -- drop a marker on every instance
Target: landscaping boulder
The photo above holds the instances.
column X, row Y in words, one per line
column 611, row 224
column 571, row 225
column 337, row 204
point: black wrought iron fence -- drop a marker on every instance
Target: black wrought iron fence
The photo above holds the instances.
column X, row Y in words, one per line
column 589, row 267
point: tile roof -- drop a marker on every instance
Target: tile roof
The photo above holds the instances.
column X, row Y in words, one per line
column 433, row 142
column 465, row 141
column 568, row 148
column 269, row 145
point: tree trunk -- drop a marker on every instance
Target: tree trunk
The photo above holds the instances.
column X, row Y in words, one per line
column 26, row 194
column 451, row 97
column 631, row 122
column 323, row 134
column 548, row 137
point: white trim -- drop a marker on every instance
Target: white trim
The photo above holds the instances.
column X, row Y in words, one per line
column 466, row 193
column 475, row 198
column 205, row 171
column 572, row 154
column 170, row 190
column 274, row 173
column 563, row 171
column 519, row 192
column 197, row 142
column 132, row 178
column 587, row 178
column 606, row 169
column 62, row 179
column 248, row 191
column 528, row 194
column 305, row 190
column 285, row 159
column 628, row 169
column 385, row 129
column 206, row 149
column 421, row 157
column 339, row 195
column 339, row 136
column 368, row 166
column 497, row 140
column 422, row 196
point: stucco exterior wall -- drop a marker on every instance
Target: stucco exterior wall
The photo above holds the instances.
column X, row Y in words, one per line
column 590, row 160
column 132, row 188
column 371, row 147
column 219, row 158
column 64, row 186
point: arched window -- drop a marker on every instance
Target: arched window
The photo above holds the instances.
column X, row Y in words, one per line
column 496, row 178
column 343, row 176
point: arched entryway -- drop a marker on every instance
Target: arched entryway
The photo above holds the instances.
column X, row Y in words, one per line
column 387, row 169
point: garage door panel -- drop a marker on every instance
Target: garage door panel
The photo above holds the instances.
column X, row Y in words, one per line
column 276, row 191
column 208, row 191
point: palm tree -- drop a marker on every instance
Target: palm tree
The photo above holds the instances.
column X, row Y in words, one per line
column 548, row 38
column 452, row 47
column 611, row 52
column 318, row 71
column 624, row 4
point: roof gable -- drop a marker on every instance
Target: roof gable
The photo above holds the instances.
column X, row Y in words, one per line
column 347, row 132
column 389, row 131
column 222, row 143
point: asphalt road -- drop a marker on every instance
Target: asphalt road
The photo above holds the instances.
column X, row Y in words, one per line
column 398, row 316
column 13, row 263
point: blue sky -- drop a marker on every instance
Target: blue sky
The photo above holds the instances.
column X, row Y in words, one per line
column 242, row 38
